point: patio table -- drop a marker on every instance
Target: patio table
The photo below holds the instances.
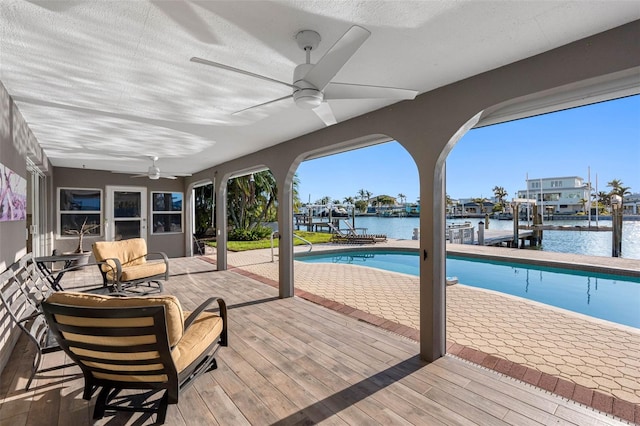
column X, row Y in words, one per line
column 52, row 276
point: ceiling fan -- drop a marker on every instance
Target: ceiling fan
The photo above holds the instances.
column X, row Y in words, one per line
column 153, row 172
column 312, row 85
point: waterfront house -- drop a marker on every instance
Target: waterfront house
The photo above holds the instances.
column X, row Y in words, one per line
column 469, row 207
column 88, row 88
column 631, row 204
column 558, row 195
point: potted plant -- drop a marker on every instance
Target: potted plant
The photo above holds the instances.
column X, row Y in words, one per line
column 84, row 230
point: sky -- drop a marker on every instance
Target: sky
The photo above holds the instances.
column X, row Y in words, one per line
column 603, row 137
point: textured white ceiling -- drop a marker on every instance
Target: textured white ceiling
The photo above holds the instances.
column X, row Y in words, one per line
column 103, row 84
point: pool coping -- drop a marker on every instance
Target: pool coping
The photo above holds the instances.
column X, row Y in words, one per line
column 577, row 262
column 574, row 262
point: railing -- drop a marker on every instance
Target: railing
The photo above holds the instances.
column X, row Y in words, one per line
column 273, row 256
column 460, row 234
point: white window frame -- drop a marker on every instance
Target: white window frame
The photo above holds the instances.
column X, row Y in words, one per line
column 60, row 212
column 153, row 212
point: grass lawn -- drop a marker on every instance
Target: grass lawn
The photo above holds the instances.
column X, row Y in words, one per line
column 313, row 237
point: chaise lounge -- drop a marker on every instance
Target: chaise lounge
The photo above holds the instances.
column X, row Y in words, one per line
column 351, row 237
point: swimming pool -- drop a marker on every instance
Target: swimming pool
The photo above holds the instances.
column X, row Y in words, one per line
column 609, row 297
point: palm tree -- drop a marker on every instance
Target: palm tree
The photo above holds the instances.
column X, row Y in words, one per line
column 615, row 183
column 364, row 198
column 363, row 194
column 324, row 200
column 348, row 200
column 448, row 202
column 500, row 193
column 480, row 201
column 622, row 191
column 602, row 199
column 402, row 198
column 252, row 200
column 203, row 208
column 583, row 202
column 296, row 194
column 618, row 189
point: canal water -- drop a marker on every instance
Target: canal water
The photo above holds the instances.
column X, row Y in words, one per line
column 589, row 243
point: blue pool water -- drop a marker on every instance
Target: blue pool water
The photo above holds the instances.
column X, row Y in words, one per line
column 609, row 297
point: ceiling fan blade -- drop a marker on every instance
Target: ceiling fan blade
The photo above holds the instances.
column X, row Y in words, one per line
column 359, row 91
column 140, row 175
column 263, row 104
column 168, row 177
column 238, row 70
column 326, row 114
column 335, row 58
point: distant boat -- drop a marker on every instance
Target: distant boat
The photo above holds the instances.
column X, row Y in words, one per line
column 503, row 216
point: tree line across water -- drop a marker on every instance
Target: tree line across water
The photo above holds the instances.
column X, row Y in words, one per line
column 252, row 201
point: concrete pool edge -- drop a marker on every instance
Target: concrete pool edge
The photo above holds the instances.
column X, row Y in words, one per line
column 599, row 264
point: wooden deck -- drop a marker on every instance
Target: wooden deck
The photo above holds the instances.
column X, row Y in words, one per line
column 290, row 362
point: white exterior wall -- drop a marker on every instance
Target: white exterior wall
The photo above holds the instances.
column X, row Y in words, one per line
column 563, row 193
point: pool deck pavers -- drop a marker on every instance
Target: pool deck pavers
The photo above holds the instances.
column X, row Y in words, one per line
column 594, row 362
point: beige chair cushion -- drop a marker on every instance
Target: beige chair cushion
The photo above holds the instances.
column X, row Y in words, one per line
column 149, row 269
column 204, row 331
column 129, row 252
column 173, row 311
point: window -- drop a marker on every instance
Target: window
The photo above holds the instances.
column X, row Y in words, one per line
column 76, row 205
column 556, row 184
column 166, row 212
column 535, row 185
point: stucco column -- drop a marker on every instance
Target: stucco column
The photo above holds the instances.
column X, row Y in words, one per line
column 429, row 151
column 220, row 186
column 432, row 263
column 285, row 231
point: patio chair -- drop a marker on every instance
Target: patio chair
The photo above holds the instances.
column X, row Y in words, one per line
column 136, row 343
column 21, row 291
column 200, row 240
column 127, row 264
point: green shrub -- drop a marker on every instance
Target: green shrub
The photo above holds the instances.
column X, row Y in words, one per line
column 249, row 234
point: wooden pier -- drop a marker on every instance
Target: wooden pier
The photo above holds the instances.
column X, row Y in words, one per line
column 569, row 228
column 466, row 234
column 312, row 224
column 498, row 237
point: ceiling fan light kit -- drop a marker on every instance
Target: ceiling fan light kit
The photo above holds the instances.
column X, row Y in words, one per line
column 154, row 173
column 311, row 80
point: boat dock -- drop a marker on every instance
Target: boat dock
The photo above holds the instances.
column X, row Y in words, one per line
column 466, row 234
column 497, row 237
column 570, row 228
column 314, row 224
